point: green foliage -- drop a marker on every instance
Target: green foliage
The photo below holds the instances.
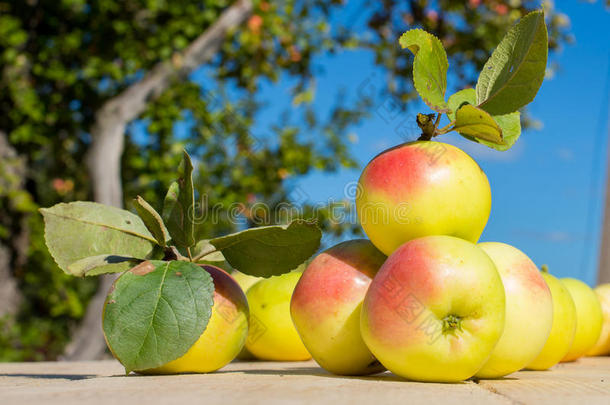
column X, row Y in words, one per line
column 509, row 80
column 156, row 312
column 510, row 124
column 80, row 230
column 429, row 67
column 61, row 60
column 511, row 130
column 270, row 251
column 460, row 98
column 513, row 74
column 87, row 238
column 52, row 303
column 178, row 206
column 474, row 122
column 153, row 221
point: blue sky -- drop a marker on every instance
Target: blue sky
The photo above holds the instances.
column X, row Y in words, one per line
column 548, row 189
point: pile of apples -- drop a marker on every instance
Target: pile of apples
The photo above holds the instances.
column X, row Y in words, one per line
column 423, row 299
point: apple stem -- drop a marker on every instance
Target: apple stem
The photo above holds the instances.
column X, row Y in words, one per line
column 171, row 253
column 544, row 268
column 429, row 126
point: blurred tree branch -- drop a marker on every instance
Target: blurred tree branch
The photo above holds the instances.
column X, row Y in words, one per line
column 109, row 127
column 11, row 180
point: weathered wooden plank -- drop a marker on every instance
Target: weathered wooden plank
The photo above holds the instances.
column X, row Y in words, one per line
column 585, row 382
column 93, row 383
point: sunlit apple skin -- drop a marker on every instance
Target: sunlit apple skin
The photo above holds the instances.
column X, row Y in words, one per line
column 563, row 329
column 225, row 334
column 326, row 303
column 602, row 347
column 245, row 281
column 272, row 334
column 529, row 311
column 426, row 288
column 419, row 189
column 589, row 318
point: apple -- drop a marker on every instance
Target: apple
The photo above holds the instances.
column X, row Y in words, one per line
column 245, row 281
column 225, row 334
column 326, row 303
column 272, row 335
column 529, row 311
column 419, row 189
column 589, row 318
column 435, row 310
column 563, row 329
column 602, row 347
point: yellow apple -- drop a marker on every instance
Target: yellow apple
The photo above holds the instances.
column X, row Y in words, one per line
column 326, row 304
column 272, row 335
column 563, row 329
column 422, row 188
column 589, row 318
column 529, row 311
column 245, row 281
column 602, row 347
column 435, row 310
column 224, row 335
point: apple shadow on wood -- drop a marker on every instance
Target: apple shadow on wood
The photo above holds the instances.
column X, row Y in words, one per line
column 320, row 372
column 71, row 377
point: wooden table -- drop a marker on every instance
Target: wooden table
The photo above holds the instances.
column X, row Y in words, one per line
column 585, row 382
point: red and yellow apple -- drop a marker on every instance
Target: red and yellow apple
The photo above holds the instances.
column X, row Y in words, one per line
column 563, row 329
column 589, row 318
column 224, row 335
column 529, row 311
column 602, row 347
column 326, row 305
column 422, row 188
column 435, row 310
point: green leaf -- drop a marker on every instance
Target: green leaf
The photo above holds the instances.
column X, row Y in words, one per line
column 205, row 251
column 465, row 96
column 78, row 230
column 170, row 200
column 513, row 74
column 152, row 220
column 93, row 265
column 270, row 250
column 474, row 122
column 178, row 207
column 156, row 311
column 429, row 67
column 511, row 130
column 509, row 123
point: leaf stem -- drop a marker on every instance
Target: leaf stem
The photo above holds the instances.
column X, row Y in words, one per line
column 204, row 254
column 445, row 129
